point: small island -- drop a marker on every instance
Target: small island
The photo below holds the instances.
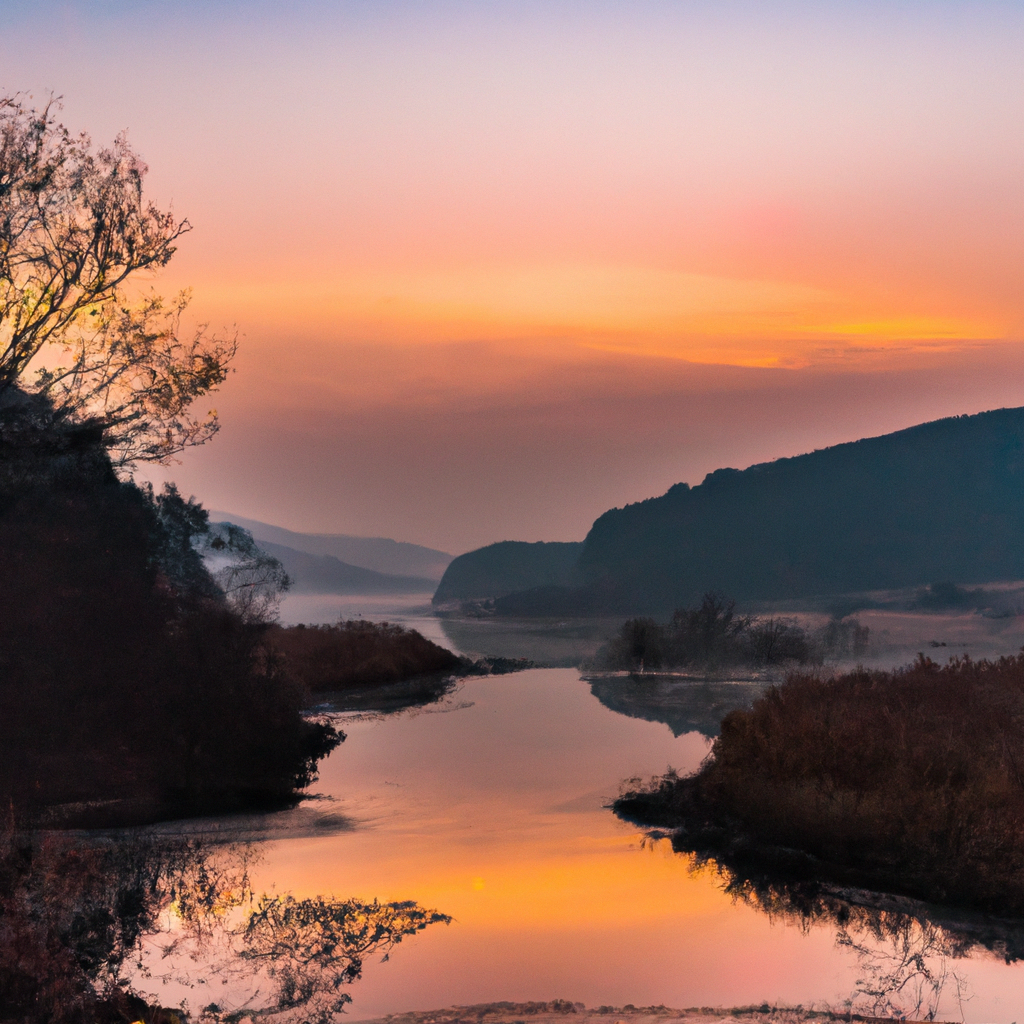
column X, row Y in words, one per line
column 909, row 782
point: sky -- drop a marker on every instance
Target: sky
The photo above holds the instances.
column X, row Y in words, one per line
column 500, row 266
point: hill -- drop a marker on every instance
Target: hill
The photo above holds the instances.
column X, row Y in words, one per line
column 325, row 574
column 508, row 567
column 380, row 554
column 939, row 501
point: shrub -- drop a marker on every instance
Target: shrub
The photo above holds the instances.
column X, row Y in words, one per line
column 712, row 636
column 357, row 653
column 708, row 635
column 640, row 644
column 912, row 780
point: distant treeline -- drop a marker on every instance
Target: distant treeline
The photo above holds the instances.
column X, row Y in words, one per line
column 910, row 781
column 712, row 636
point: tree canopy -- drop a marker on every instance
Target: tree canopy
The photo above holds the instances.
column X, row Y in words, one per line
column 77, row 237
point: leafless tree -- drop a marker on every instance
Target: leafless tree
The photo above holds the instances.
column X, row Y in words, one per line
column 253, row 581
column 76, row 237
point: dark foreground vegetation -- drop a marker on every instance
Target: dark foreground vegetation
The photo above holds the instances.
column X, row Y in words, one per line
column 712, row 636
column 909, row 781
column 132, row 686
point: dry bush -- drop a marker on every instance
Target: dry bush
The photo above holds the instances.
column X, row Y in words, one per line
column 912, row 778
column 356, row 653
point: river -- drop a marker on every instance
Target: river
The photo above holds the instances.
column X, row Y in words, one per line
column 492, row 807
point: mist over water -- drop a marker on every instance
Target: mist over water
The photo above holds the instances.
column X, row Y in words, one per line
column 411, row 610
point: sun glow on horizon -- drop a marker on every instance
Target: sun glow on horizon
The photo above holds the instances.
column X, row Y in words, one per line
column 630, row 310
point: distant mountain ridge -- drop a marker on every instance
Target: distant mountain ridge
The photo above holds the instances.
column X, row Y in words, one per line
column 325, row 574
column 939, row 501
column 380, row 554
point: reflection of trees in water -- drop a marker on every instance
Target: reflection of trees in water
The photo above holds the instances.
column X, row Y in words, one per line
column 86, row 927
column 287, row 959
column 907, row 971
column 684, row 705
column 904, row 958
column 906, row 951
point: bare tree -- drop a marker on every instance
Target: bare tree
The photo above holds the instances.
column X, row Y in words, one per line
column 253, row 581
column 75, row 232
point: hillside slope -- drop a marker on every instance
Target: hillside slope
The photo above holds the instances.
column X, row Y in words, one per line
column 939, row 501
column 380, row 554
column 325, row 574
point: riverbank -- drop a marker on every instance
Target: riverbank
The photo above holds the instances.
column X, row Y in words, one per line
column 909, row 781
column 355, row 663
column 490, row 807
column 562, row 1011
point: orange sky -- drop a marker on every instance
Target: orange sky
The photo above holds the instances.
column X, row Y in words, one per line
column 500, row 266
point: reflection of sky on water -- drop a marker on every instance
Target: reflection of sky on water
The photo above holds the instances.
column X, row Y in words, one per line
column 490, row 808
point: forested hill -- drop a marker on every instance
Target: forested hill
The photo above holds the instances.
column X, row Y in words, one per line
column 943, row 501
column 507, row 567
column 939, row 501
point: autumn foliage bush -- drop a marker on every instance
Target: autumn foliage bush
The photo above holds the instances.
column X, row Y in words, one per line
column 911, row 780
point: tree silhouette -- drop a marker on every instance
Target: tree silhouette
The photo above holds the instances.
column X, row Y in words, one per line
column 76, row 236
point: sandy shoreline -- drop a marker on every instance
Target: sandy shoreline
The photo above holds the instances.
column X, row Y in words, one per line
column 564, row 1012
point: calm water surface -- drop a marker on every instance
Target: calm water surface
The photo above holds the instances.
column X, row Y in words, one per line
column 412, row 610
column 491, row 808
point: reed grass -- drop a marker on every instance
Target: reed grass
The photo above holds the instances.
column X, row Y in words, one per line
column 911, row 780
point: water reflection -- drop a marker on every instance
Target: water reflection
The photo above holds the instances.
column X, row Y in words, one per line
column 908, row 953
column 105, row 929
column 684, row 705
column 561, row 643
column 492, row 807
